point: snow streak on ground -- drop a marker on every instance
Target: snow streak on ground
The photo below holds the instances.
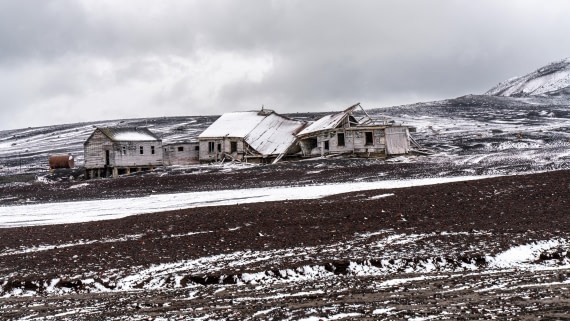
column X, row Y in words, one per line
column 387, row 279
column 84, row 211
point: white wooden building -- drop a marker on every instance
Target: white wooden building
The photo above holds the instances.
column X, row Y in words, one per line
column 114, row 151
column 253, row 136
column 343, row 133
column 181, row 153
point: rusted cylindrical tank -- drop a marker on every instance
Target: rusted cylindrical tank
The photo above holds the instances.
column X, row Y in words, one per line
column 61, row 161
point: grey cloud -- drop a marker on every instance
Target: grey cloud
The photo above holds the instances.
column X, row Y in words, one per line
column 324, row 52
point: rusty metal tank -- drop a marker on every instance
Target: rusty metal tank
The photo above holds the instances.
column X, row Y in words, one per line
column 61, row 161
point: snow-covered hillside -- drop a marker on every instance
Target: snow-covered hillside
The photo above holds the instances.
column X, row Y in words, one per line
column 550, row 80
column 524, row 120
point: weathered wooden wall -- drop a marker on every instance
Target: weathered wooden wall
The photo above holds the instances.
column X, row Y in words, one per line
column 225, row 148
column 127, row 154
column 397, row 140
column 172, row 155
column 121, row 154
column 354, row 141
column 94, row 150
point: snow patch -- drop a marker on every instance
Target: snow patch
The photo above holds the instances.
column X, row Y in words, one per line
column 380, row 196
column 67, row 212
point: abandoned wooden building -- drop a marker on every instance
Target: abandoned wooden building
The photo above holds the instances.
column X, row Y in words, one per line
column 121, row 150
column 344, row 133
column 253, row 136
column 181, row 153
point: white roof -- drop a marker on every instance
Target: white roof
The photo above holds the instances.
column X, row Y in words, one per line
column 328, row 122
column 268, row 134
column 273, row 135
column 133, row 136
column 121, row 134
column 324, row 123
column 236, row 124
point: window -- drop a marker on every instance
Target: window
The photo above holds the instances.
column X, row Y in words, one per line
column 340, row 139
column 180, row 148
column 233, row 147
column 369, row 139
column 142, row 150
column 211, row 147
column 326, row 144
column 219, row 148
column 196, row 147
column 124, row 150
column 152, row 150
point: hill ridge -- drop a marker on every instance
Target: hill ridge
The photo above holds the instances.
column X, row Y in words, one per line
column 550, row 80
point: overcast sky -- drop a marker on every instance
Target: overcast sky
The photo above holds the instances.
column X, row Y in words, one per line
column 73, row 60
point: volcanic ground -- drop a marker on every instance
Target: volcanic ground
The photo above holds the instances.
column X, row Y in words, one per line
column 480, row 249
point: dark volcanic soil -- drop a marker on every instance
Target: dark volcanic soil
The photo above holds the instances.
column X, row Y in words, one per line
column 466, row 220
column 58, row 186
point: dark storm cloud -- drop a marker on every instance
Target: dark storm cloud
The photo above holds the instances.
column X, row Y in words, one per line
column 155, row 58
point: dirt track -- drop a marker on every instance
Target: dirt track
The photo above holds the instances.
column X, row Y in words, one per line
column 465, row 221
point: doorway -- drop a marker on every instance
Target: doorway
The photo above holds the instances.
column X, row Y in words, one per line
column 369, row 139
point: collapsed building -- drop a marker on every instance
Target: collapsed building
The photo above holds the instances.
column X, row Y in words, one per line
column 345, row 133
column 252, row 136
column 265, row 136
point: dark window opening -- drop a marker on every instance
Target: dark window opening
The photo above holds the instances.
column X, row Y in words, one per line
column 180, row 148
column 196, row 147
column 124, row 150
column 152, row 150
column 369, row 138
column 340, row 139
column 233, row 147
column 107, row 157
column 327, row 144
column 219, row 148
column 211, row 147
column 142, row 150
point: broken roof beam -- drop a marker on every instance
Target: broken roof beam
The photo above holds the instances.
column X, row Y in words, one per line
column 370, row 120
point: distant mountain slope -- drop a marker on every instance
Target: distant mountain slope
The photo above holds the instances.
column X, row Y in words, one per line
column 551, row 80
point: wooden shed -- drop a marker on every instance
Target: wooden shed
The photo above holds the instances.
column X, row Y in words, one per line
column 114, row 151
column 343, row 133
column 254, row 136
column 181, row 153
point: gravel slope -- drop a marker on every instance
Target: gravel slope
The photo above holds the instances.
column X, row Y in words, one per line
column 440, row 245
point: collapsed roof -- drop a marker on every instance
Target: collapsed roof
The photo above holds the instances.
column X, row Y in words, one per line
column 335, row 120
column 265, row 131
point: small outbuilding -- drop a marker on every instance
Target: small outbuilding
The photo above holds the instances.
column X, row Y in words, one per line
column 181, row 153
column 113, row 151
column 253, row 136
column 343, row 133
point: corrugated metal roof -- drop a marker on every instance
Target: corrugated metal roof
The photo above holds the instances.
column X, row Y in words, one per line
column 122, row 134
column 268, row 133
column 273, row 135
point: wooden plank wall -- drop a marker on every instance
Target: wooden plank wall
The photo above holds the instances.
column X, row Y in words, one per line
column 94, row 150
column 121, row 154
column 189, row 155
